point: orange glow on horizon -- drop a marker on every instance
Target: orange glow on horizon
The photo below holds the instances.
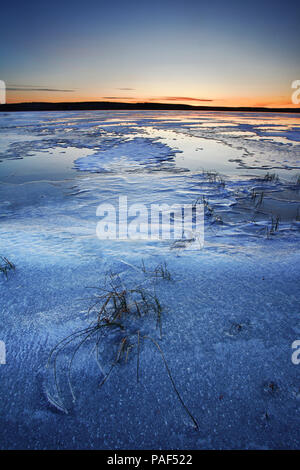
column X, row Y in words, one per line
column 36, row 96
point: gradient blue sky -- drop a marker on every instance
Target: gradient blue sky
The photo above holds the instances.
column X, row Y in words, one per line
column 230, row 53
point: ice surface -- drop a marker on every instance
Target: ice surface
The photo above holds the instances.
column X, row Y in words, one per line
column 230, row 312
column 127, row 156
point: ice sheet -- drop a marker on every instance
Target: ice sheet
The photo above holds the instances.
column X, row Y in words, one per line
column 230, row 312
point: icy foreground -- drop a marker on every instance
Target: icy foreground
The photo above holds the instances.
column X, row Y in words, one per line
column 230, row 311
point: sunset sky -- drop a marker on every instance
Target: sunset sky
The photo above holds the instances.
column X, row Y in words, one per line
column 227, row 53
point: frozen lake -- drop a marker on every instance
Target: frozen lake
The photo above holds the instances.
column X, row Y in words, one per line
column 230, row 311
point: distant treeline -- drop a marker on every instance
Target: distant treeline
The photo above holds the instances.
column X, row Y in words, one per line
column 107, row 105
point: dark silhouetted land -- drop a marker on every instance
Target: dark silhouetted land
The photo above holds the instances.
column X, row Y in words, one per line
column 106, row 105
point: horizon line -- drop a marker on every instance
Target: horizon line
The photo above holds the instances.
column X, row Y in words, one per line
column 128, row 105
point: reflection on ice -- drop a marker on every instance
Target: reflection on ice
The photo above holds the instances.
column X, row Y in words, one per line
column 177, row 157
